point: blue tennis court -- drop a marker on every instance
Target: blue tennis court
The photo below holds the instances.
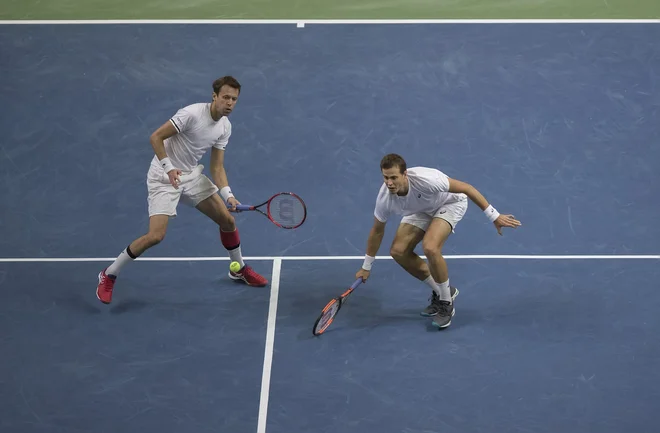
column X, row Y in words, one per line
column 554, row 123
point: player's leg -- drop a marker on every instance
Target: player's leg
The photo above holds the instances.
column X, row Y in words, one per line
column 439, row 230
column 441, row 306
column 162, row 202
column 202, row 195
column 155, row 235
column 406, row 238
column 410, row 232
column 108, row 276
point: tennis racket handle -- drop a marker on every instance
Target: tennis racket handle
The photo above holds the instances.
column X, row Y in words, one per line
column 356, row 283
column 244, row 207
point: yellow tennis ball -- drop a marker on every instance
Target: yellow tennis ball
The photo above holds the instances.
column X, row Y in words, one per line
column 235, row 267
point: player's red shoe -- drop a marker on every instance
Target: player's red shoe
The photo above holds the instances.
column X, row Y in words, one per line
column 249, row 276
column 104, row 289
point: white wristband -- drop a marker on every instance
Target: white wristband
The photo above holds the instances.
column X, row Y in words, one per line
column 368, row 261
column 491, row 213
column 225, row 193
column 166, row 164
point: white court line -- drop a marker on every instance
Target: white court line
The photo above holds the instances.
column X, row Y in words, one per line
column 270, row 344
column 337, row 21
column 304, row 258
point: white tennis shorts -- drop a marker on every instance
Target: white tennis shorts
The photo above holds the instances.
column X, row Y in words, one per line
column 163, row 198
column 450, row 212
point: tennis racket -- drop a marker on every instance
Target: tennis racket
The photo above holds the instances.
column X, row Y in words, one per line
column 332, row 308
column 285, row 209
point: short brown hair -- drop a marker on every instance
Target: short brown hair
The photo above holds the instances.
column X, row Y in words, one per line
column 393, row 160
column 227, row 80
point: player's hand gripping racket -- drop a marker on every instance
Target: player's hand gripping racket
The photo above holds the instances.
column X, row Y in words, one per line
column 284, row 209
column 328, row 313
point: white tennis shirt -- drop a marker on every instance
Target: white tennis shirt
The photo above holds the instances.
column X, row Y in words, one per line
column 428, row 191
column 197, row 133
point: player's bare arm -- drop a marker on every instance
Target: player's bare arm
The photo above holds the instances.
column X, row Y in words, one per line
column 157, row 140
column 219, row 175
column 373, row 244
column 458, row 187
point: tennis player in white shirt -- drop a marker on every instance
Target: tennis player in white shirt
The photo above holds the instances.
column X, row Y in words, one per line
column 175, row 174
column 431, row 204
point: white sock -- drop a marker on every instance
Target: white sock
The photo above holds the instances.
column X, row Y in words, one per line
column 431, row 283
column 120, row 261
column 443, row 292
column 236, row 256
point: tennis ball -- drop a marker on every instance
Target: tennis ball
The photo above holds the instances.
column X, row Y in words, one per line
column 235, row 267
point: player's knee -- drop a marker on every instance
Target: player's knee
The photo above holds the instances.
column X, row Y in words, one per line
column 155, row 237
column 228, row 224
column 432, row 249
column 397, row 251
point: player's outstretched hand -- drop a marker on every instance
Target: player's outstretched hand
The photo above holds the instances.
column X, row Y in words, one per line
column 506, row 221
column 363, row 274
column 174, row 177
column 232, row 202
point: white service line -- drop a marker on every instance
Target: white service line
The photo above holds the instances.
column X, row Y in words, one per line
column 312, row 258
column 270, row 344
